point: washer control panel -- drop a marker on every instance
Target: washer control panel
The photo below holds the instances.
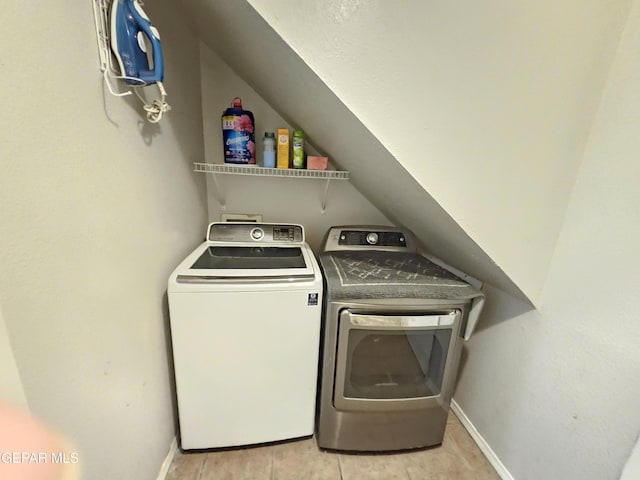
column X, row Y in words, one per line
column 254, row 232
column 369, row 238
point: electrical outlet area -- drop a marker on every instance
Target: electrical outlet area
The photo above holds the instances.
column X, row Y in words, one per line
column 241, row 217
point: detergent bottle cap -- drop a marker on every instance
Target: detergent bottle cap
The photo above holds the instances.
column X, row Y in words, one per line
column 237, row 102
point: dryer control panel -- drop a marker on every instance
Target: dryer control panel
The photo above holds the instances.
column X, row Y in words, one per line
column 369, row 238
column 254, row 232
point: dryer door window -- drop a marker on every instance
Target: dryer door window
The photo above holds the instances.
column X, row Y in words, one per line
column 388, row 359
column 395, row 364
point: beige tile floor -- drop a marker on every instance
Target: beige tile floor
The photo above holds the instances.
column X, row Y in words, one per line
column 457, row 458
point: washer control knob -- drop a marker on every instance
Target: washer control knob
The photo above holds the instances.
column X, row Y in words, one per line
column 372, row 238
column 257, row 234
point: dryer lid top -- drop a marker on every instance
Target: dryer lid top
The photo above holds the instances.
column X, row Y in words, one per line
column 392, row 272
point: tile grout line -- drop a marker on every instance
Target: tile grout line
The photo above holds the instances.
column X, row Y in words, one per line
column 406, row 471
column 340, row 468
column 272, row 461
column 201, row 471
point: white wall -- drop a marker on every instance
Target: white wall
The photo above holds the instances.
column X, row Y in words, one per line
column 98, row 207
column 555, row 392
column 487, row 105
column 291, row 200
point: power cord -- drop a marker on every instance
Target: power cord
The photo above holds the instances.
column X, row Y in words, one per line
column 157, row 107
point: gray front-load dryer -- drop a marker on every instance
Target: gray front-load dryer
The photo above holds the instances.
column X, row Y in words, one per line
column 393, row 326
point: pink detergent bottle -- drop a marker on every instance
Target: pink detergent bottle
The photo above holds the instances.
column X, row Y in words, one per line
column 238, row 127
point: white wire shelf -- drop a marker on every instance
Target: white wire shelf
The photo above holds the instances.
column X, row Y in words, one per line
column 233, row 169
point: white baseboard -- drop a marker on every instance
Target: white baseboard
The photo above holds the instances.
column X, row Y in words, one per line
column 164, row 469
column 481, row 442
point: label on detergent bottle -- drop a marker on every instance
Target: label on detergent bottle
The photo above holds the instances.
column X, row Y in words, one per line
column 238, row 134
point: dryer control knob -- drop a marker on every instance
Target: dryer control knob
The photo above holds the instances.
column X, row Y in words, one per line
column 372, row 238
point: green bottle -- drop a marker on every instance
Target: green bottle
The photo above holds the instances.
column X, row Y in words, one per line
column 297, row 146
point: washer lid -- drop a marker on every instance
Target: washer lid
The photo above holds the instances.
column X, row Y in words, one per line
column 241, row 262
column 250, row 258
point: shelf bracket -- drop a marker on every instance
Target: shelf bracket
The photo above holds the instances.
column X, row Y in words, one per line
column 219, row 194
column 323, row 207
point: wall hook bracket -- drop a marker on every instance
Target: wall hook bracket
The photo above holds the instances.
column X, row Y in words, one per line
column 110, row 75
column 101, row 17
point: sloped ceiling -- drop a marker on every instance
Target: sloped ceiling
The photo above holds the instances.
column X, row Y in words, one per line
column 484, row 191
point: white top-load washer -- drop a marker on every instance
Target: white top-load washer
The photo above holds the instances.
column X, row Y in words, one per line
column 245, row 310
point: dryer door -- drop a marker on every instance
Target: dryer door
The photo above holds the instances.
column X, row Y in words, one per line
column 391, row 362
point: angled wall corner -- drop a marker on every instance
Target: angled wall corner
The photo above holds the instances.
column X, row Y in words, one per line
column 479, row 177
column 284, row 80
column 488, row 107
column 11, row 389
